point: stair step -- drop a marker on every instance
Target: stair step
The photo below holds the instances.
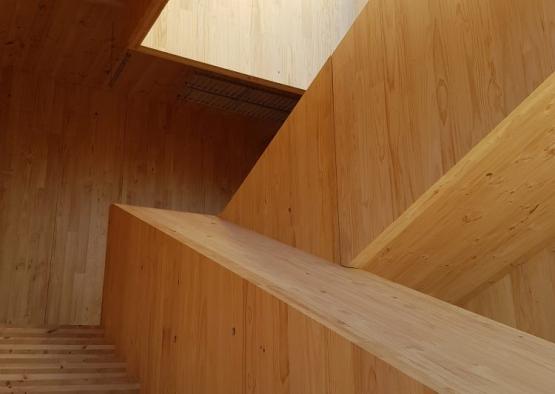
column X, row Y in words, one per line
column 30, row 353
column 48, row 374
column 52, row 331
column 51, row 340
column 23, row 377
column 120, row 388
column 66, row 365
column 58, row 357
column 60, row 360
column 51, row 381
column 53, row 346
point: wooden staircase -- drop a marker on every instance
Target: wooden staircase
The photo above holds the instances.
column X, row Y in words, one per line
column 60, row 360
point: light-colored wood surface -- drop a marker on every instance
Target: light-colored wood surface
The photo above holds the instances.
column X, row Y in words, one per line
column 181, row 287
column 204, row 67
column 524, row 297
column 416, row 85
column 25, row 369
column 403, row 117
column 285, row 42
column 492, row 209
column 68, row 151
column 290, row 195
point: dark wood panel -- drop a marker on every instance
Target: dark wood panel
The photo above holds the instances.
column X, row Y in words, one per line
column 67, row 152
column 78, row 41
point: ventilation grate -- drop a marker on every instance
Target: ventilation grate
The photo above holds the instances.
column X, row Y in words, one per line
column 239, row 97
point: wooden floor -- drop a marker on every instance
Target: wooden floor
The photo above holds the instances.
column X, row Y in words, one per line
column 65, row 359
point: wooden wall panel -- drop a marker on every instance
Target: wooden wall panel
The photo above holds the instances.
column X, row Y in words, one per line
column 524, row 297
column 67, row 152
column 202, row 329
column 416, row 85
column 192, row 298
column 285, row 42
column 491, row 210
column 28, row 165
column 92, row 147
column 290, row 195
column 403, row 117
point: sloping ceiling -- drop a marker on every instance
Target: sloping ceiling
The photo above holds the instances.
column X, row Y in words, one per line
column 82, row 41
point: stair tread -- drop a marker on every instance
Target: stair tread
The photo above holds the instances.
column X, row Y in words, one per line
column 78, row 331
column 60, row 360
column 53, row 364
column 77, row 388
column 54, row 346
column 44, row 340
column 84, row 357
column 59, row 375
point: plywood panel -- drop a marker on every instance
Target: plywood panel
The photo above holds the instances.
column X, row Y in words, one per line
column 309, row 325
column 286, row 42
column 67, row 152
column 290, row 195
column 523, row 298
column 416, row 85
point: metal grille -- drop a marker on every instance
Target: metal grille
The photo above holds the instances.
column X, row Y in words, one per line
column 239, row 97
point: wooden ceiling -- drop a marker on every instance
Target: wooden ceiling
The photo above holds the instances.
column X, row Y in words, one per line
column 81, row 41
column 90, row 42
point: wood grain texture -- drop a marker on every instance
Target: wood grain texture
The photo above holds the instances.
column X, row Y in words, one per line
column 380, row 93
column 180, row 287
column 203, row 329
column 24, row 369
column 78, row 41
column 92, row 42
column 491, row 210
column 416, row 85
column 145, row 75
column 286, row 42
column 67, row 151
column 89, row 42
column 523, row 298
column 406, row 109
column 290, row 195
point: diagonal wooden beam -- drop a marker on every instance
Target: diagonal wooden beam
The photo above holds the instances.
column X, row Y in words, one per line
column 496, row 206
